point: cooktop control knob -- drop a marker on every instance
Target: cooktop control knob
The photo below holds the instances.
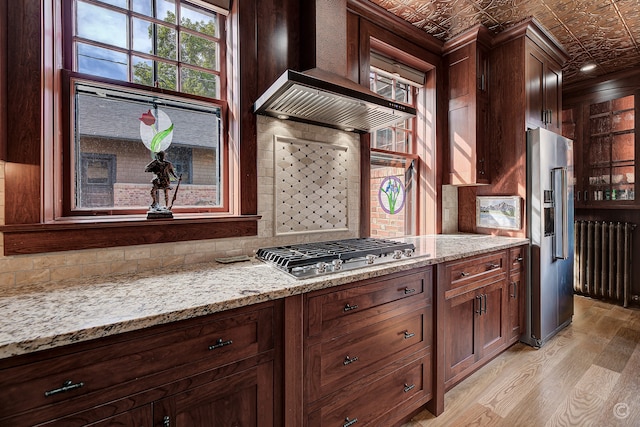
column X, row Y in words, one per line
column 337, row 264
column 321, row 267
column 408, row 252
column 397, row 254
column 371, row 258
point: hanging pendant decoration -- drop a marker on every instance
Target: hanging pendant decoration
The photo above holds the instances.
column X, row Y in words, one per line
column 391, row 195
column 156, row 130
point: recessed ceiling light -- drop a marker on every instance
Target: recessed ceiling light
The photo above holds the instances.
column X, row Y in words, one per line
column 283, row 116
column 588, row 67
column 348, row 129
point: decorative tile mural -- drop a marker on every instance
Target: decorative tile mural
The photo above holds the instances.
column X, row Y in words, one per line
column 310, row 186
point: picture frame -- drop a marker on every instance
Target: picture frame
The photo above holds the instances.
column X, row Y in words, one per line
column 499, row 212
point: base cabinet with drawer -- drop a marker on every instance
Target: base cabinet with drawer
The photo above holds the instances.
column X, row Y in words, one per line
column 216, row 369
column 368, row 350
column 482, row 310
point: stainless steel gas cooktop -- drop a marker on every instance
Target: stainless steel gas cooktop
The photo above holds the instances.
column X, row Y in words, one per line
column 314, row 259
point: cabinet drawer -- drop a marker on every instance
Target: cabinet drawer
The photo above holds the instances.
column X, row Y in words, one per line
column 372, row 401
column 516, row 259
column 475, row 270
column 347, row 358
column 82, row 379
column 336, row 309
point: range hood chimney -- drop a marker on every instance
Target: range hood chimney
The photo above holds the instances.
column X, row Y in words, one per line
column 322, row 94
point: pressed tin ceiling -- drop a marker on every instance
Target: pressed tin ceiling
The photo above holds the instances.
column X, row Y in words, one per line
column 601, row 32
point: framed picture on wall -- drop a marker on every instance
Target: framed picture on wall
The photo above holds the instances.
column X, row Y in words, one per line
column 502, row 212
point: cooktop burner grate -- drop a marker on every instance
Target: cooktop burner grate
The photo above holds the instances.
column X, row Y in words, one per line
column 308, row 259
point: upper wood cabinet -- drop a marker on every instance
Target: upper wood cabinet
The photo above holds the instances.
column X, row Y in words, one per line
column 466, row 60
column 543, row 77
column 604, row 130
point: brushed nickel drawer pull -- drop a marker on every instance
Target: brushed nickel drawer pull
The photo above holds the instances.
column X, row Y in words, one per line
column 408, row 291
column 479, row 310
column 518, row 259
column 493, row 266
column 166, row 421
column 220, row 343
column 408, row 388
column 408, row 335
column 464, row 274
column 66, row 386
column 348, row 422
column 349, row 360
column 349, row 307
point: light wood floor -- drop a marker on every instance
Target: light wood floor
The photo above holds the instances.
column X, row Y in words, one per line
column 587, row 375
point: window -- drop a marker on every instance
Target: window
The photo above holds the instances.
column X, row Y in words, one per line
column 145, row 76
column 399, row 137
column 169, row 44
column 394, row 164
column 41, row 162
column 109, row 124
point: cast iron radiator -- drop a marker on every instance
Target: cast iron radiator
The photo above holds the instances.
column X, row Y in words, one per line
column 603, row 262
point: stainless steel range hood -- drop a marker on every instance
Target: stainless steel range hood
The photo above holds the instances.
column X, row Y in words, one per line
column 320, row 97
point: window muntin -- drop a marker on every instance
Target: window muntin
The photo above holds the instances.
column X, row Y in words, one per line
column 143, row 43
column 108, row 127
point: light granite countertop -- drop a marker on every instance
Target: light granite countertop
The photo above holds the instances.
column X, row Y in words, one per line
column 53, row 315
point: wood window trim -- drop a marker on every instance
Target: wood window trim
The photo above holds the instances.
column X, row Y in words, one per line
column 30, row 145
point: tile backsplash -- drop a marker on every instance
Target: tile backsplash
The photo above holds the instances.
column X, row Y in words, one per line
column 311, row 180
column 449, row 209
column 21, row 271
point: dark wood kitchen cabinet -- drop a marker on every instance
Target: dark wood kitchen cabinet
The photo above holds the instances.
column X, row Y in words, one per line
column 475, row 313
column 215, row 367
column 516, row 293
column 605, row 148
column 368, row 350
column 543, row 83
column 467, row 62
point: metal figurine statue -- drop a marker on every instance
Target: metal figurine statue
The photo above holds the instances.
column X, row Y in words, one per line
column 163, row 169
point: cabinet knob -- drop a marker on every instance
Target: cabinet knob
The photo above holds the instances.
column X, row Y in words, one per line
column 493, row 266
column 408, row 335
column 408, row 291
column 349, row 307
column 66, row 386
column 349, row 360
column 518, row 259
column 220, row 343
column 464, row 274
column 348, row 422
column 408, row 388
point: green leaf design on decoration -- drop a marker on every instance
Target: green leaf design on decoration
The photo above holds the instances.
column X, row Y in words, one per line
column 157, row 138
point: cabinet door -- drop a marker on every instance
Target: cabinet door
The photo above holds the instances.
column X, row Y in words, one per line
column 534, row 80
column 516, row 296
column 553, row 97
column 240, row 400
column 460, row 342
column 491, row 333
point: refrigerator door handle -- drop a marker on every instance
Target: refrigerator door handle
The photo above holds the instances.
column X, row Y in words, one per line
column 560, row 194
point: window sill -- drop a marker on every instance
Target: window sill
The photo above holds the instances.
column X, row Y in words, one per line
column 92, row 233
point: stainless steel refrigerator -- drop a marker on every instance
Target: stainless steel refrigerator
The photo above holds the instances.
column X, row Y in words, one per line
column 550, row 228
